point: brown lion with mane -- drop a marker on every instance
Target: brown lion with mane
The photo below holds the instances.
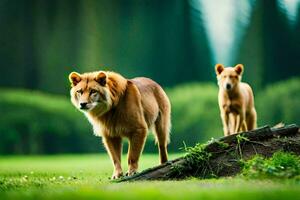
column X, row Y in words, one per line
column 118, row 107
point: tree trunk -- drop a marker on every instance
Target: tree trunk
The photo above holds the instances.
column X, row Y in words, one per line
column 222, row 157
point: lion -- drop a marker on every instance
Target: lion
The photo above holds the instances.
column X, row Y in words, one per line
column 123, row 108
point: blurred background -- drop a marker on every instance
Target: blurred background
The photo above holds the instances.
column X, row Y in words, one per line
column 175, row 42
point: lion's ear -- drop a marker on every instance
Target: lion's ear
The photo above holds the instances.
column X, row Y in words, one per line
column 101, row 78
column 219, row 68
column 239, row 68
column 74, row 78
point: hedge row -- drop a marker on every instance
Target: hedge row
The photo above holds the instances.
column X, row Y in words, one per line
column 35, row 123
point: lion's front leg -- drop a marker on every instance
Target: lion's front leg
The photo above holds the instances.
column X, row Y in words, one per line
column 113, row 146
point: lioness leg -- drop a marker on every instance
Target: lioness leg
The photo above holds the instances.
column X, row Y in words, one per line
column 113, row 146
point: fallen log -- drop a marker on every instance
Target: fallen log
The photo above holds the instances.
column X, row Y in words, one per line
column 223, row 157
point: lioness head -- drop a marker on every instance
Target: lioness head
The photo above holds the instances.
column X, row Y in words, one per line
column 229, row 77
column 90, row 92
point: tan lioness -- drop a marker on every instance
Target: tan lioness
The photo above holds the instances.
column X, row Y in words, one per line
column 118, row 107
column 236, row 100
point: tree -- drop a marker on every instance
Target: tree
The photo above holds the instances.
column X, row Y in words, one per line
column 269, row 46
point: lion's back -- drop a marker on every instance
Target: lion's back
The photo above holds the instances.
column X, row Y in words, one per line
column 154, row 99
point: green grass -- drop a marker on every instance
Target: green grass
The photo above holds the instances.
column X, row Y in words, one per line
column 280, row 165
column 87, row 177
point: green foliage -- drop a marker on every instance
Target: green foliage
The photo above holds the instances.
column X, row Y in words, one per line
column 196, row 158
column 195, row 113
column 280, row 165
column 279, row 103
column 197, row 154
column 34, row 122
column 221, row 144
column 240, row 138
column 41, row 123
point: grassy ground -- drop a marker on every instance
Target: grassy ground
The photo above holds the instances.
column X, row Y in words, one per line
column 86, row 176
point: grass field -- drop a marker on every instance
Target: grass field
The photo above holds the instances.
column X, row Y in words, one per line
column 87, row 177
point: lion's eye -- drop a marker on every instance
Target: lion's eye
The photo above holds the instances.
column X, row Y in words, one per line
column 93, row 91
column 79, row 91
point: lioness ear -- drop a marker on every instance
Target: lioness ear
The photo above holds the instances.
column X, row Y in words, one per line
column 239, row 68
column 219, row 68
column 74, row 78
column 101, row 78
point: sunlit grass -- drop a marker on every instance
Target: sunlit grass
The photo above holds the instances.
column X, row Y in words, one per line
column 87, row 176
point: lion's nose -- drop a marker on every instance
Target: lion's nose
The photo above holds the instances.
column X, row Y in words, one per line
column 83, row 105
column 228, row 86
